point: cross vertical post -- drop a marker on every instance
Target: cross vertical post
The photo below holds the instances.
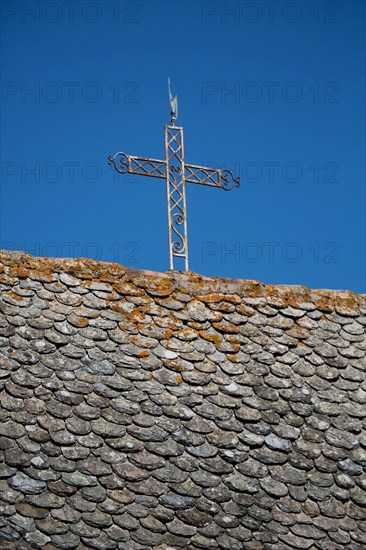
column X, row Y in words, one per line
column 176, row 194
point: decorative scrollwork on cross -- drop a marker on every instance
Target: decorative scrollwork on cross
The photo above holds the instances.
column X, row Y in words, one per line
column 178, row 245
column 176, row 169
column 120, row 162
column 176, row 194
column 226, row 184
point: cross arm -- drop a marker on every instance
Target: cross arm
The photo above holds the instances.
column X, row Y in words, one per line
column 202, row 175
column 138, row 165
column 211, row 176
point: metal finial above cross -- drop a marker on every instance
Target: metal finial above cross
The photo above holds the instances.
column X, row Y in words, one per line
column 176, row 173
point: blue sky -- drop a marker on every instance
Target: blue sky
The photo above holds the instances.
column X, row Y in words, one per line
column 273, row 91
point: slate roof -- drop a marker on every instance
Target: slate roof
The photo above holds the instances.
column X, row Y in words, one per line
column 165, row 411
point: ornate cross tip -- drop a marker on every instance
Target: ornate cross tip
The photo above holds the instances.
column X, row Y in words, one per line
column 173, row 105
column 176, row 173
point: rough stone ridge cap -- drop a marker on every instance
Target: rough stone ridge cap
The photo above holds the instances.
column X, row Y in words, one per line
column 19, row 265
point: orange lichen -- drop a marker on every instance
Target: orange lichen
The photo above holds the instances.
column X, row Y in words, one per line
column 213, row 337
column 172, row 364
column 168, row 322
column 298, row 332
column 82, row 322
column 10, row 294
column 18, row 271
column 124, row 288
column 136, row 316
column 195, row 325
column 161, row 287
column 179, row 378
column 18, row 265
column 234, row 344
column 324, row 305
column 43, row 276
column 245, row 310
column 115, row 307
column 254, row 289
column 285, row 296
column 226, row 327
column 213, row 297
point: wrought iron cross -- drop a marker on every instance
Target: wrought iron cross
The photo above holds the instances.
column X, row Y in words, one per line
column 176, row 173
